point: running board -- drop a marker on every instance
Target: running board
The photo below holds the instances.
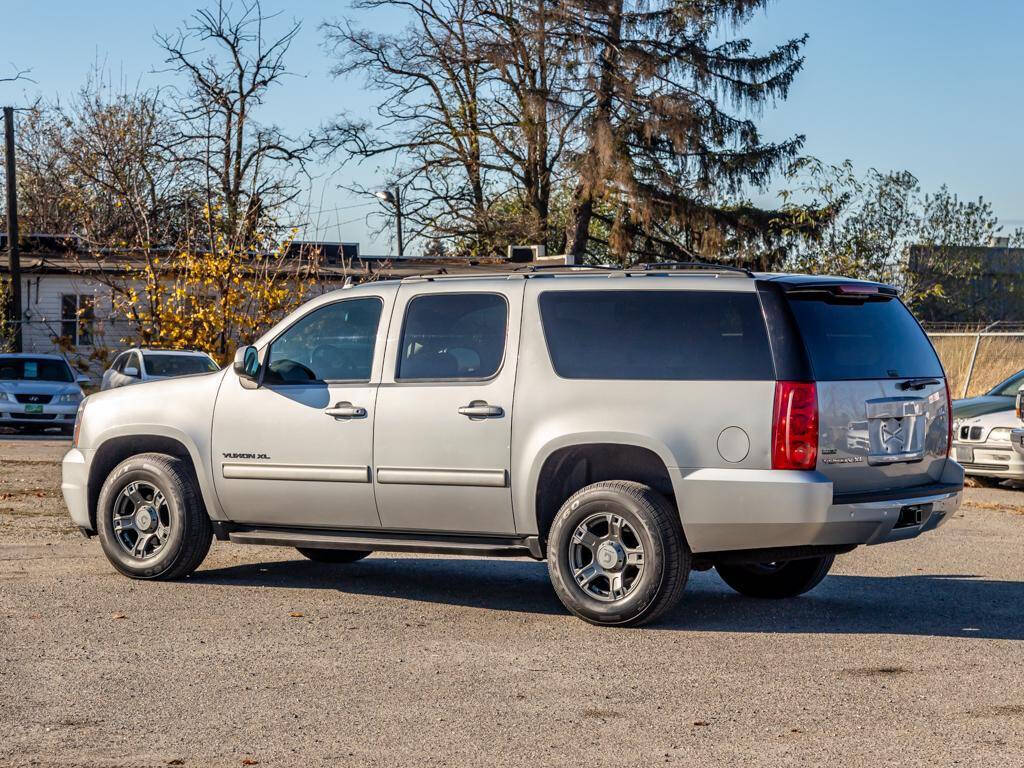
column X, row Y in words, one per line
column 386, row 541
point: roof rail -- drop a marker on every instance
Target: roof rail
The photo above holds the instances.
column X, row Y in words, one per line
column 694, row 265
column 539, row 267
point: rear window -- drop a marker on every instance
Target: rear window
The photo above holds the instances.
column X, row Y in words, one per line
column 656, row 335
column 177, row 365
column 862, row 339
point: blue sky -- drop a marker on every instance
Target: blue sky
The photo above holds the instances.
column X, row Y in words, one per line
column 933, row 86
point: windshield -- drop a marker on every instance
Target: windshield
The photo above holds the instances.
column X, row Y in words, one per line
column 849, row 339
column 177, row 365
column 34, row 369
column 1009, row 387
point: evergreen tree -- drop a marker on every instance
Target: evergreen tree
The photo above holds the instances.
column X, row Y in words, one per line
column 661, row 143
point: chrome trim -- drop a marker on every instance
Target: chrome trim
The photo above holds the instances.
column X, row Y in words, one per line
column 327, row 474
column 489, row 478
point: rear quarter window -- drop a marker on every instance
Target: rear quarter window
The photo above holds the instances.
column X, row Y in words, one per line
column 849, row 339
column 656, row 335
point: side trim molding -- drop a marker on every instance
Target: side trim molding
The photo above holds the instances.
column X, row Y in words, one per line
column 489, row 478
column 324, row 474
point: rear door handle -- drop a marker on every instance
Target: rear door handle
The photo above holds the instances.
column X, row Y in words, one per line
column 346, row 411
column 479, row 409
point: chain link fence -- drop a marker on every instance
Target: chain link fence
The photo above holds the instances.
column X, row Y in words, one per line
column 977, row 357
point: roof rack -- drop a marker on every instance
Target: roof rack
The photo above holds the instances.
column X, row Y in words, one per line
column 539, row 267
column 694, row 265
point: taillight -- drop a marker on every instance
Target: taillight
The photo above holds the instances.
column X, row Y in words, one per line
column 78, row 422
column 795, row 425
column 949, row 420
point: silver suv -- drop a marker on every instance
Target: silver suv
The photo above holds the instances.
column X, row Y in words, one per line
column 628, row 426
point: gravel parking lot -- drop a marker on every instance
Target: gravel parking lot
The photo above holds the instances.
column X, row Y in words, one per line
column 909, row 654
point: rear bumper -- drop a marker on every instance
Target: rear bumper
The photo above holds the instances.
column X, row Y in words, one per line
column 732, row 509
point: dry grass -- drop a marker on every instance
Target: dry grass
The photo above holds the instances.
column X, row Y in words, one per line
column 998, row 358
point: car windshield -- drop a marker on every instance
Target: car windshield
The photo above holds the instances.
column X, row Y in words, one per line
column 34, row 369
column 1009, row 387
column 177, row 365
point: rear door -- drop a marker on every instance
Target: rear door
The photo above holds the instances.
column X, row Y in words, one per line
column 883, row 416
column 442, row 438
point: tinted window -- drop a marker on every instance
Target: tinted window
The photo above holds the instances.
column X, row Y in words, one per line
column 177, row 365
column 34, row 369
column 1010, row 386
column 656, row 335
column 332, row 343
column 862, row 339
column 453, row 336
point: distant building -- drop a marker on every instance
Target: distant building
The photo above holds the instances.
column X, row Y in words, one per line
column 994, row 290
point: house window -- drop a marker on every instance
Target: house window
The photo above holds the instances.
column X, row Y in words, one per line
column 77, row 314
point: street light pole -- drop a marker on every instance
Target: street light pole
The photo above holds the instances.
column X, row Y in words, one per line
column 12, row 228
column 393, row 196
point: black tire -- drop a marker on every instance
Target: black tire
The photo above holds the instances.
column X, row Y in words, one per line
column 190, row 532
column 778, row 580
column 655, row 524
column 333, row 555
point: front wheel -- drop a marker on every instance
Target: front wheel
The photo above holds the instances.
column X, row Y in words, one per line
column 151, row 519
column 616, row 554
column 786, row 578
column 333, row 555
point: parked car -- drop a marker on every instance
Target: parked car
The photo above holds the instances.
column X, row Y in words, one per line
column 999, row 398
column 1017, row 433
column 628, row 426
column 133, row 366
column 39, row 391
column 982, row 445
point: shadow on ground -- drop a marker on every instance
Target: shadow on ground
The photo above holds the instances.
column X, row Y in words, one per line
column 950, row 605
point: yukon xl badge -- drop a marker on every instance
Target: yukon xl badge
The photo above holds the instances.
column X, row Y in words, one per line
column 246, row 456
column 843, row 460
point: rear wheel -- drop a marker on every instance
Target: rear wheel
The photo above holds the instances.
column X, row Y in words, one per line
column 151, row 519
column 616, row 554
column 787, row 578
column 333, row 555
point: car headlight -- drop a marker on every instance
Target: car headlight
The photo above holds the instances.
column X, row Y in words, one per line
column 70, row 398
column 999, row 435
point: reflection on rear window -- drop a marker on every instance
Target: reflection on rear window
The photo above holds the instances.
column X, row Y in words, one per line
column 178, row 365
column 862, row 339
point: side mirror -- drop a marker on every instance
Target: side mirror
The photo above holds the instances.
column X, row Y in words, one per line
column 82, row 379
column 247, row 363
column 132, row 371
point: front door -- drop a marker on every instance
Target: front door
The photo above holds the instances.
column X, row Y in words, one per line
column 297, row 449
column 444, row 409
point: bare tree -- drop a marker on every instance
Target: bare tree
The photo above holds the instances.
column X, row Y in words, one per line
column 248, row 169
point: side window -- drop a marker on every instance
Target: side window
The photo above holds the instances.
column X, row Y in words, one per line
column 657, row 335
column 332, row 343
column 134, row 362
column 453, row 336
column 118, row 365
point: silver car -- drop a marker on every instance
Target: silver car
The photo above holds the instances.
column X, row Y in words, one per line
column 139, row 364
column 38, row 392
column 628, row 426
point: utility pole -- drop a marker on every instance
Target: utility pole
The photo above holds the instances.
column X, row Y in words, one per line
column 12, row 229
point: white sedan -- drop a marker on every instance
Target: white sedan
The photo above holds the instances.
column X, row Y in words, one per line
column 136, row 365
column 984, row 446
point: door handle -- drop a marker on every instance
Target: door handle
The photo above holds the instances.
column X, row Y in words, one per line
column 346, row 411
column 479, row 409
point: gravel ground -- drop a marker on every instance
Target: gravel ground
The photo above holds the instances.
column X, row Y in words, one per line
column 908, row 654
